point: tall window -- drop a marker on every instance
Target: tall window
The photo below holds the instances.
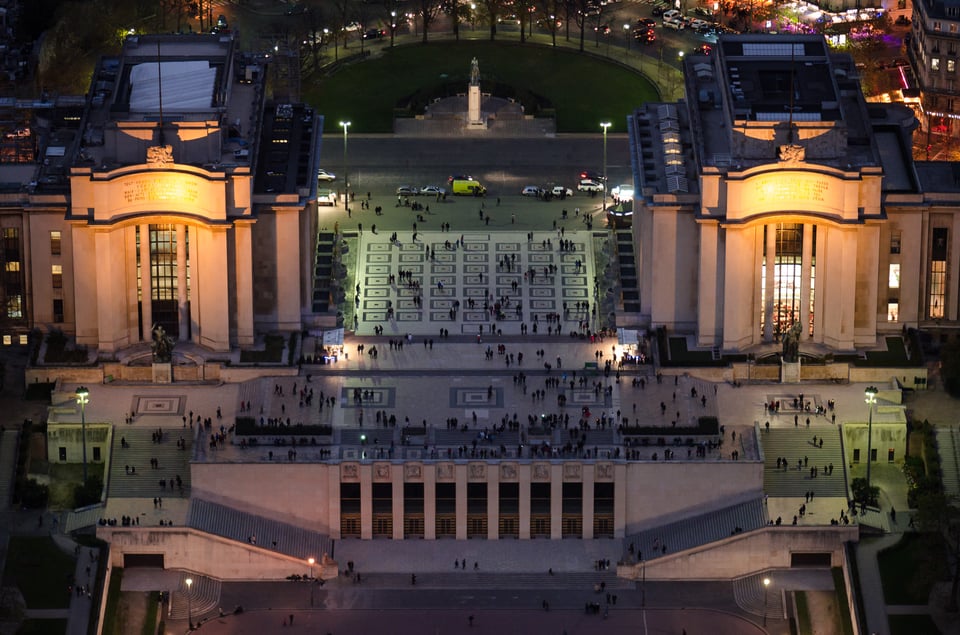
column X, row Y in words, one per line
column 787, row 275
column 938, row 273
column 894, row 242
column 56, row 272
column 163, row 277
column 58, row 310
column 55, row 243
column 893, row 279
column 893, row 310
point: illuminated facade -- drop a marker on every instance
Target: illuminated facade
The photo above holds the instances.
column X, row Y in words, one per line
column 168, row 201
column 776, row 195
column 935, row 49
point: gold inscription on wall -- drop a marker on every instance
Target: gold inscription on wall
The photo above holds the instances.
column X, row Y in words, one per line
column 160, row 188
column 771, row 190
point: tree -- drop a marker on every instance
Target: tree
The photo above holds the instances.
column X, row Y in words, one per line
column 936, row 513
column 393, row 11
column 863, row 494
column 579, row 9
column 525, row 13
column 494, row 8
column 549, row 14
column 428, row 11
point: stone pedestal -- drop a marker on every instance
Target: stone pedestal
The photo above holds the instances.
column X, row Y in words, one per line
column 789, row 372
column 162, row 373
column 474, row 116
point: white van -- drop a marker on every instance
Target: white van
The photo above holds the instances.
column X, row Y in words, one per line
column 672, row 13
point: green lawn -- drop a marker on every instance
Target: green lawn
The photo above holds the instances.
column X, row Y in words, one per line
column 40, row 570
column 910, row 568
column 912, row 625
column 43, row 627
column 590, row 90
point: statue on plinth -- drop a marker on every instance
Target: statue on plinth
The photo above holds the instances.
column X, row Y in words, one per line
column 474, row 72
column 791, row 343
column 162, row 345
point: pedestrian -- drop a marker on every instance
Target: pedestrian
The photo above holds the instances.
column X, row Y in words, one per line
column 291, row 619
column 470, row 621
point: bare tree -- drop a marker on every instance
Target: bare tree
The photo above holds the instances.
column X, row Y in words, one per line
column 493, row 7
column 550, row 13
column 525, row 12
column 428, row 11
column 393, row 11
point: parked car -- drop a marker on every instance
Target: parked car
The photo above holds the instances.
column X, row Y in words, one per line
column 458, row 177
column 648, row 23
column 588, row 185
column 592, row 175
column 660, row 8
column 700, row 26
column 323, row 175
column 703, row 49
column 531, row 190
column 406, row 190
column 374, row 34
column 561, row 192
column 671, row 14
column 674, row 23
column 432, row 190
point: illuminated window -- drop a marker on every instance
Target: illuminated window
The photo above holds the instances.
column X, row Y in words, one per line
column 935, row 63
column 24, row 339
column 894, row 277
column 938, row 273
column 7, row 340
column 12, row 266
column 937, row 26
column 57, row 272
column 893, row 311
column 951, row 66
column 787, row 277
column 895, row 243
column 55, row 243
column 14, row 307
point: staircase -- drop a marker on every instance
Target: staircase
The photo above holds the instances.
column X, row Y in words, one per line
column 629, row 269
column 751, row 596
column 284, row 538
column 794, row 445
column 562, row 580
column 203, row 594
column 145, row 481
column 697, row 530
column 322, row 272
column 949, row 447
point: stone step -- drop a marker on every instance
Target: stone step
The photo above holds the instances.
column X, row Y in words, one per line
column 145, row 482
column 493, row 580
column 797, row 445
column 203, row 594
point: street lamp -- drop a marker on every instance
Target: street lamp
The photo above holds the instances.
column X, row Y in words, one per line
column 83, row 398
column 393, row 26
column 871, row 398
column 766, row 587
column 189, row 583
column 604, row 125
column 346, row 181
column 311, row 561
column 626, row 35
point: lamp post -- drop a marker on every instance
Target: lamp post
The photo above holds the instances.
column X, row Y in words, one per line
column 626, row 35
column 346, row 180
column 189, row 583
column 83, row 398
column 871, row 398
column 604, row 125
column 311, row 561
column 393, row 26
column 766, row 587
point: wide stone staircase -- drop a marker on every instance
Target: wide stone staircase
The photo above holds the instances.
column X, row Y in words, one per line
column 323, row 272
column 629, row 270
column 202, row 597
column 145, row 481
column 751, row 596
column 584, row 580
column 290, row 540
column 949, row 446
column 797, row 445
column 697, row 530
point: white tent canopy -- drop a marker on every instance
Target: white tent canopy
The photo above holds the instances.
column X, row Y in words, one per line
column 187, row 86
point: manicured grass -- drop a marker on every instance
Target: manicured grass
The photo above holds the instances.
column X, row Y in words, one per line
column 43, row 627
column 111, row 621
column 910, row 568
column 803, row 614
column 912, row 625
column 581, row 89
column 843, row 601
column 40, row 570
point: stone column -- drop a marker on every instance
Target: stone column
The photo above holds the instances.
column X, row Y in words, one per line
column 524, row 494
column 396, row 475
column 806, row 267
column 366, row 502
column 619, row 500
column 460, row 472
column 493, row 503
column 184, row 309
column 588, row 501
column 556, row 502
column 243, row 263
column 146, row 283
column 430, row 502
column 771, row 257
column 333, row 498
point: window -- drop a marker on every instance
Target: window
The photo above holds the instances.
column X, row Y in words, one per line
column 55, row 243
column 935, row 63
column 951, row 66
column 938, row 273
column 7, row 340
column 57, row 272
column 894, row 277
column 895, row 243
column 14, row 307
column 937, row 25
column 24, row 339
column 893, row 311
column 12, row 266
column 58, row 310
